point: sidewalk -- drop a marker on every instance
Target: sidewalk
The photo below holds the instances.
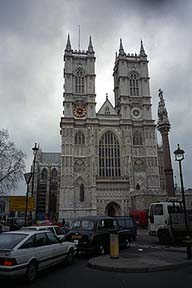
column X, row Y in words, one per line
column 139, row 258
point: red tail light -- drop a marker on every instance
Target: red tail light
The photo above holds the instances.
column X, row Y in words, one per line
column 8, row 262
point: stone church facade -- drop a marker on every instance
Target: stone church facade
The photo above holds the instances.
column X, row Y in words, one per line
column 109, row 162
column 109, row 158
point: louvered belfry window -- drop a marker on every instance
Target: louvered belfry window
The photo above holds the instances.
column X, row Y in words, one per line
column 134, row 85
column 79, row 82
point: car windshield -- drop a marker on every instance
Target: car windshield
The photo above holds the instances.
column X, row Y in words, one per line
column 10, row 240
column 83, row 224
column 126, row 223
column 68, row 223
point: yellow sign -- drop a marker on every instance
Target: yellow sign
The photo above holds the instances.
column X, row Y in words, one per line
column 18, row 203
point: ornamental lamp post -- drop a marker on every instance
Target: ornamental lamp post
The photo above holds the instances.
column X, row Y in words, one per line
column 35, row 150
column 179, row 156
column 27, row 180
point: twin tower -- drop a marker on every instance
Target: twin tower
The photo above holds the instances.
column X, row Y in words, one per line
column 109, row 157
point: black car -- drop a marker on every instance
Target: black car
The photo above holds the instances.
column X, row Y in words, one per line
column 127, row 223
column 67, row 225
column 92, row 233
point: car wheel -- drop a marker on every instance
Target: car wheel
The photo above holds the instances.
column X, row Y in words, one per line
column 164, row 237
column 100, row 249
column 70, row 257
column 31, row 272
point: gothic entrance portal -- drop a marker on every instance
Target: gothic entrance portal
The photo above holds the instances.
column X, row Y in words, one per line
column 113, row 209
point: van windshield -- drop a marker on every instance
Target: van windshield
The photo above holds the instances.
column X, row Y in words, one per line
column 158, row 209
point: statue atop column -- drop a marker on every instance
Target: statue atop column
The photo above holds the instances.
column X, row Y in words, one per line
column 162, row 113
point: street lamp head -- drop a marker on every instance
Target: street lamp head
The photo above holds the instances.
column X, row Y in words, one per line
column 35, row 149
column 179, row 154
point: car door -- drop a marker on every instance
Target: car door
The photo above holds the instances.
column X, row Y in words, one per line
column 59, row 249
column 26, row 251
column 104, row 228
column 125, row 231
column 43, row 250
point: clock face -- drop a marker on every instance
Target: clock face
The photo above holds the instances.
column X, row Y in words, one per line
column 136, row 113
column 79, row 110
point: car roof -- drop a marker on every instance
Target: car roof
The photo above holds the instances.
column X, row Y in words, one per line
column 93, row 218
column 28, row 232
column 38, row 227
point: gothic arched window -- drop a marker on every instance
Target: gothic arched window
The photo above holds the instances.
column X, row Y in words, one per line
column 79, row 82
column 44, row 174
column 79, row 138
column 82, row 193
column 109, row 156
column 54, row 174
column 137, row 138
column 134, row 85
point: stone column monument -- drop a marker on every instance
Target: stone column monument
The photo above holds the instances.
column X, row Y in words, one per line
column 164, row 126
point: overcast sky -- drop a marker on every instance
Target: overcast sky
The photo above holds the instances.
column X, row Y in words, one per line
column 33, row 37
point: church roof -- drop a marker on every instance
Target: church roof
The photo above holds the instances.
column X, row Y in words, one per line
column 107, row 108
column 50, row 157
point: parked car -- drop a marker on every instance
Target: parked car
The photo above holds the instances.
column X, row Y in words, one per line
column 25, row 252
column 57, row 231
column 67, row 225
column 92, row 233
column 127, row 223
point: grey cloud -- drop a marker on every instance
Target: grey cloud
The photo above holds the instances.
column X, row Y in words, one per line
column 33, row 37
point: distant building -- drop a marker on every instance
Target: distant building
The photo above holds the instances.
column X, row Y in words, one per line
column 47, row 185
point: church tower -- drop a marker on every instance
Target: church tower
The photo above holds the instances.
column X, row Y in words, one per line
column 133, row 105
column 79, row 78
column 77, row 193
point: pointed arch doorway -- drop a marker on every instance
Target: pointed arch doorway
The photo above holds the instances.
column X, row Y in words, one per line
column 113, row 209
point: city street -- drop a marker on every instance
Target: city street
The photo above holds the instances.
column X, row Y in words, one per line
column 80, row 275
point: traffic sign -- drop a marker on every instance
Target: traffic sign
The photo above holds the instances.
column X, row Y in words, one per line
column 28, row 177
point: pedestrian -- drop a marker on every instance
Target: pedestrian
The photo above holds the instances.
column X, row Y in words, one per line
column 63, row 222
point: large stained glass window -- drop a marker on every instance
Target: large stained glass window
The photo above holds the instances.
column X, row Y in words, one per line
column 109, row 156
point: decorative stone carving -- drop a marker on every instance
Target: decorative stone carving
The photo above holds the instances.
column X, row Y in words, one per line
column 139, row 165
column 79, row 166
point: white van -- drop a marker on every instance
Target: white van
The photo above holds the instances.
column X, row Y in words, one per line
column 166, row 221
